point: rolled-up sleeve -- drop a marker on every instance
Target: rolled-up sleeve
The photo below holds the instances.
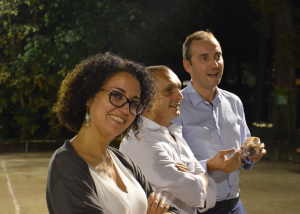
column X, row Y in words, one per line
column 212, row 189
column 248, row 166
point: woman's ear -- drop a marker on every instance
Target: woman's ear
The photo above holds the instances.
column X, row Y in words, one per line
column 89, row 102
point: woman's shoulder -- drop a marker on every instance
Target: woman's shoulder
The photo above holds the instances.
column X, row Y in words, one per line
column 66, row 163
column 65, row 154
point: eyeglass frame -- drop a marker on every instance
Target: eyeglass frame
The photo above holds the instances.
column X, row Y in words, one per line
column 127, row 100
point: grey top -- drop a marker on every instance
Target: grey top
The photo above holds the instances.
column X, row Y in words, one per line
column 70, row 186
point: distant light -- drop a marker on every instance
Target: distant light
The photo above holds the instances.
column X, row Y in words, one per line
column 262, row 124
column 185, row 83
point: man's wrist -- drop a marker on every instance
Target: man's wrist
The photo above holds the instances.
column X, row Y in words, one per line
column 210, row 166
column 244, row 163
column 248, row 161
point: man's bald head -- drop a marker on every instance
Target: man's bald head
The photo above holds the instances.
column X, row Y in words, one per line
column 158, row 68
column 162, row 73
column 168, row 99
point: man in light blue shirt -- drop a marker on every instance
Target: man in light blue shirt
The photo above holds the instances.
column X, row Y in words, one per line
column 213, row 121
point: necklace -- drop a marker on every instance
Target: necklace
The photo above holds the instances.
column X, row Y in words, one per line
column 106, row 165
column 108, row 169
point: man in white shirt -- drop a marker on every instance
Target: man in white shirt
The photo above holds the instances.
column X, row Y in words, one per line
column 163, row 155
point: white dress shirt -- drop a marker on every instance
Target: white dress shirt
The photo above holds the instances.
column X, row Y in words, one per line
column 156, row 153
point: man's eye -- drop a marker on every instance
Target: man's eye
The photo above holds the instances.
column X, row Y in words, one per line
column 167, row 91
column 203, row 59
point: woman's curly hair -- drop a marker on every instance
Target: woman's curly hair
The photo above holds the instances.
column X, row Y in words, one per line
column 86, row 80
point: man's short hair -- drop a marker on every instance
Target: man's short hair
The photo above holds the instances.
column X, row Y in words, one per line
column 158, row 68
column 199, row 35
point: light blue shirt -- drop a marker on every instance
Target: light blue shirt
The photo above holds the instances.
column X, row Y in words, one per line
column 210, row 128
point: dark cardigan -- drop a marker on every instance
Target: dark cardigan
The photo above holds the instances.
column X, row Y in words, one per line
column 70, row 187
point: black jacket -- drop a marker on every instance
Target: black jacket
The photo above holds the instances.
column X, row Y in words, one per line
column 70, row 187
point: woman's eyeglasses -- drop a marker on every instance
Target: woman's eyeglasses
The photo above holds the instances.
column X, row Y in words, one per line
column 118, row 99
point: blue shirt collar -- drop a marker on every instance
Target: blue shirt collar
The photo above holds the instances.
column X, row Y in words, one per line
column 196, row 98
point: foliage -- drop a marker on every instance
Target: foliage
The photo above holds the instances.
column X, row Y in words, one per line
column 289, row 36
column 283, row 33
column 281, row 89
column 41, row 41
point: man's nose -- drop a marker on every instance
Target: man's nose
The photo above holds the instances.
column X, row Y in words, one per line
column 179, row 95
column 215, row 64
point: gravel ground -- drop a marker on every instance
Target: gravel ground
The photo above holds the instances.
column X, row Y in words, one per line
column 270, row 187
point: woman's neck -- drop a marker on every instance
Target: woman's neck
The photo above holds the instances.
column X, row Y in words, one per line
column 89, row 142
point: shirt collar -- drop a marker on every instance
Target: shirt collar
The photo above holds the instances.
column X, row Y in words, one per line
column 218, row 97
column 151, row 125
column 196, row 98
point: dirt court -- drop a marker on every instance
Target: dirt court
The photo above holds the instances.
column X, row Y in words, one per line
column 269, row 188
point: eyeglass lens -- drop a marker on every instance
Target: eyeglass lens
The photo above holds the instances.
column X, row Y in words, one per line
column 120, row 100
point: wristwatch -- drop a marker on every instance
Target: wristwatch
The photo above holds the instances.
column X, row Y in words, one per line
column 248, row 161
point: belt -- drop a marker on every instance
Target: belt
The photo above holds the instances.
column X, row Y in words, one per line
column 225, row 204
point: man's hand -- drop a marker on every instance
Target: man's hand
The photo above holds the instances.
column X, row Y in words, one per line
column 182, row 167
column 221, row 163
column 256, row 158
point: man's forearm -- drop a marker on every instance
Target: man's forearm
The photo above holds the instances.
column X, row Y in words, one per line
column 207, row 182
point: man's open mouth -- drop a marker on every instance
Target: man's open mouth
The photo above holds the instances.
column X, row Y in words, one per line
column 213, row 74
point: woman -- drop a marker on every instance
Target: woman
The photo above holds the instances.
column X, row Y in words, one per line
column 100, row 99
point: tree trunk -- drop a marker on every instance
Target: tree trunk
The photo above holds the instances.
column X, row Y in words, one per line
column 260, row 97
column 284, row 116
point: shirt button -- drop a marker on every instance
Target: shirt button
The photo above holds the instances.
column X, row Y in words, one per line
column 219, row 128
